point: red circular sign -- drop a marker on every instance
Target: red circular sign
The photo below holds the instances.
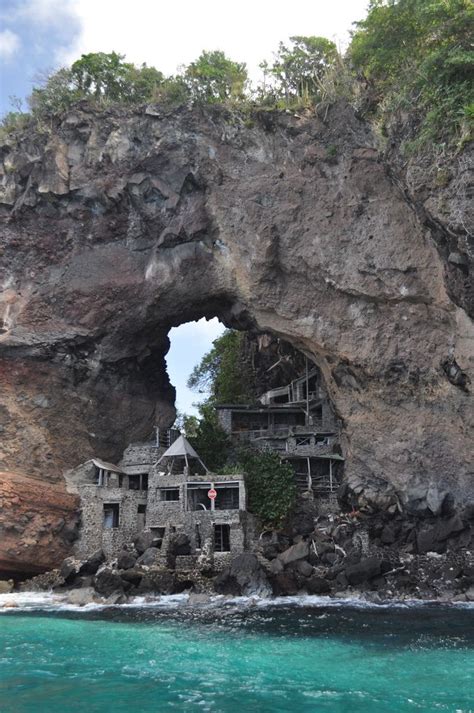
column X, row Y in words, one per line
column 212, row 494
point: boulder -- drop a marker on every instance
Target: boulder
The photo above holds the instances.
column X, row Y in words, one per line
column 304, row 568
column 148, row 558
column 367, row 568
column 244, row 577
column 270, row 550
column 285, row 584
column 469, row 594
column 132, row 577
column 126, row 560
column 158, row 582
column 317, row 585
column 294, row 553
column 70, row 569
column 81, row 597
column 6, row 586
column 107, row 582
column 275, row 566
column 303, row 517
column 92, row 563
column 143, row 541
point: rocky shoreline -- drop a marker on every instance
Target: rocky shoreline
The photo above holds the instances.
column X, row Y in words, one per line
column 384, row 556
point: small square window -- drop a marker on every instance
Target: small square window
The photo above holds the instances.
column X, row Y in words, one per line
column 169, row 494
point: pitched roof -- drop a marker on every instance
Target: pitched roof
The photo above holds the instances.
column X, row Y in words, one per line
column 180, row 447
column 106, row 466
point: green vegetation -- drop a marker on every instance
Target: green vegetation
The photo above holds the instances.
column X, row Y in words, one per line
column 410, row 55
column 220, row 372
column 418, row 55
column 213, row 78
column 221, row 376
column 207, row 437
column 270, row 484
column 299, row 70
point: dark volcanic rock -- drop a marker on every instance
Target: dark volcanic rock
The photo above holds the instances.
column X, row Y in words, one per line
column 285, row 584
column 143, row 541
column 317, row 585
column 107, row 582
column 126, row 560
column 92, row 563
column 108, row 240
column 244, row 577
column 69, row 569
column 362, row 571
column 159, row 582
column 148, row 558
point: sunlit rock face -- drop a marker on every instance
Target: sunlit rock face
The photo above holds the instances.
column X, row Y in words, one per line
column 117, row 226
column 38, row 524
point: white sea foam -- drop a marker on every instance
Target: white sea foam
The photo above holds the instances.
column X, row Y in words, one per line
column 48, row 601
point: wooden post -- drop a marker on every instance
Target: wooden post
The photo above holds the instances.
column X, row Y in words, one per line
column 330, row 474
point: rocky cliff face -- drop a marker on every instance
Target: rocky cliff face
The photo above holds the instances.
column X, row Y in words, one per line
column 117, row 226
column 37, row 524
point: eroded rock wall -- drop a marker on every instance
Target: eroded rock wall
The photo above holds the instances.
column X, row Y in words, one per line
column 117, row 226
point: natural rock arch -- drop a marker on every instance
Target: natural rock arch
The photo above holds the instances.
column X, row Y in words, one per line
column 118, row 225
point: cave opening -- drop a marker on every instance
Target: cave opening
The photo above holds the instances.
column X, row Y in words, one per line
column 271, row 396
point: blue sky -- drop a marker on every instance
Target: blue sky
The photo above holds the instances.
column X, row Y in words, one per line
column 189, row 343
column 37, row 36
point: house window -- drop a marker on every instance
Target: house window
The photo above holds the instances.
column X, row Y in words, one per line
column 141, row 517
column 138, row 481
column 169, row 495
column 111, row 515
column 196, row 496
column 222, row 538
column 227, row 497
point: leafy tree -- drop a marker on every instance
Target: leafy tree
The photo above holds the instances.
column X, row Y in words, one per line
column 57, row 93
column 300, row 67
column 206, row 436
column 213, row 77
column 221, row 373
column 107, row 76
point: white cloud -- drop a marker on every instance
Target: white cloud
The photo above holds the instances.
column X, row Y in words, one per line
column 203, row 331
column 169, row 34
column 9, row 44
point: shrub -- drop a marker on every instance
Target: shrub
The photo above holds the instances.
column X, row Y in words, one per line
column 271, row 489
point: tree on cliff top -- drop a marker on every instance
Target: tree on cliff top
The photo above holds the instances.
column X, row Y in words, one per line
column 98, row 76
column 299, row 68
column 213, row 77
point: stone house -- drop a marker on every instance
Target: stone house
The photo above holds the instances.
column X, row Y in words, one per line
column 161, row 491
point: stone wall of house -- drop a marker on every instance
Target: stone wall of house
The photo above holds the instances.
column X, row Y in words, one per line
column 141, row 454
column 93, row 535
column 167, row 514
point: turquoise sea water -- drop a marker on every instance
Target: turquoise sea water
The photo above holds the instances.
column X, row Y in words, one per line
column 230, row 659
